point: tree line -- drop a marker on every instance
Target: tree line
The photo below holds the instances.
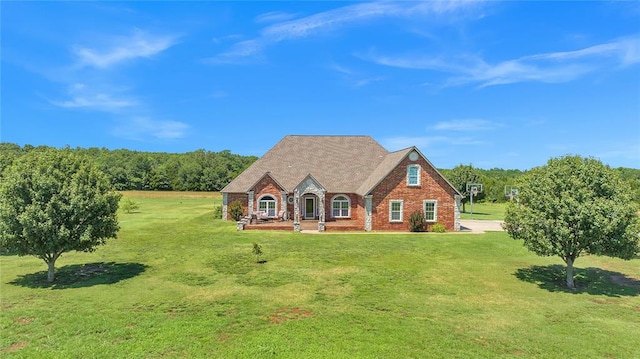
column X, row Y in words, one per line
column 199, row 170
column 203, row 170
column 495, row 180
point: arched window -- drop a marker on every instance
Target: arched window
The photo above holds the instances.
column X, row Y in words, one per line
column 267, row 204
column 340, row 207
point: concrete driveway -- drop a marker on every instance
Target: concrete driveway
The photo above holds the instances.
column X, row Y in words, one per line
column 480, row 226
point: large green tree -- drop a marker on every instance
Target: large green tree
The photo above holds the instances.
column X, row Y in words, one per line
column 54, row 201
column 459, row 176
column 574, row 206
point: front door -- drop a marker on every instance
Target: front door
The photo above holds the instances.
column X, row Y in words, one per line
column 309, row 208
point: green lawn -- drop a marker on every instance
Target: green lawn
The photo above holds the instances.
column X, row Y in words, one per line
column 493, row 211
column 178, row 283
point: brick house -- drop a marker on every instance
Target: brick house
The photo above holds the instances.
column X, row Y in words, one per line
column 330, row 179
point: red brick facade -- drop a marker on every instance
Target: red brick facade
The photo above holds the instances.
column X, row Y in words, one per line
column 371, row 177
column 394, row 187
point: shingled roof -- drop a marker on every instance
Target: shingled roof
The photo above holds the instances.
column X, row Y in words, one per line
column 342, row 164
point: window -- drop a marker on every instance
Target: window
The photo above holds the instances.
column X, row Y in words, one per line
column 395, row 211
column 430, row 210
column 340, row 206
column 267, row 204
column 413, row 175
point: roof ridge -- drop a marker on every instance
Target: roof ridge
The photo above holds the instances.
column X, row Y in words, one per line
column 329, row 136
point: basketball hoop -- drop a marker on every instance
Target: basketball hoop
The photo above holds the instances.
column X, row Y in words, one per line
column 510, row 192
column 473, row 189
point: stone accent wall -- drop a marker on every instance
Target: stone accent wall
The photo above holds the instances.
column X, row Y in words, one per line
column 368, row 211
column 309, row 186
column 394, row 187
column 225, row 205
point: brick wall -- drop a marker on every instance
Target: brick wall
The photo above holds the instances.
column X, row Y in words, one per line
column 357, row 208
column 242, row 197
column 394, row 187
column 267, row 186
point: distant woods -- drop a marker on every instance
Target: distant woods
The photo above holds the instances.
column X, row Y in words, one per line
column 494, row 181
column 203, row 170
column 154, row 171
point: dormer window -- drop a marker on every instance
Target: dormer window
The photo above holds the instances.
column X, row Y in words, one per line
column 413, row 175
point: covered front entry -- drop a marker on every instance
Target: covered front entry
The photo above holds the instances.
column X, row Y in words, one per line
column 310, row 205
column 308, row 202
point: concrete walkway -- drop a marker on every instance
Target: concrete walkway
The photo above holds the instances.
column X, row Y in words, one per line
column 466, row 226
column 480, row 226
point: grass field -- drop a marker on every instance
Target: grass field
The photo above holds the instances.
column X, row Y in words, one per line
column 493, row 211
column 177, row 283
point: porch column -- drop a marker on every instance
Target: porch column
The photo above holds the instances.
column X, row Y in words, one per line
column 250, row 202
column 283, row 205
column 321, row 211
column 456, row 213
column 368, row 200
column 296, row 210
column 225, row 200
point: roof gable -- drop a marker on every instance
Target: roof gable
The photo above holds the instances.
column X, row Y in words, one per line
column 268, row 174
column 389, row 164
column 309, row 185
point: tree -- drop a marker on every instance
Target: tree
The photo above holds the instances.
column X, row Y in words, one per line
column 574, row 206
column 257, row 251
column 53, row 201
column 459, row 176
column 129, row 205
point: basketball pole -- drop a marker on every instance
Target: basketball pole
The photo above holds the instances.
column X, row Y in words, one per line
column 471, row 198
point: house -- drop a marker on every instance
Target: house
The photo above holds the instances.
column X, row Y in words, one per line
column 330, row 179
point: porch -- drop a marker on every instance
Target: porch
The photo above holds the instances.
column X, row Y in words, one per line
column 307, row 225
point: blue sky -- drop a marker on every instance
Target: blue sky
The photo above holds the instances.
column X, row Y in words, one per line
column 494, row 84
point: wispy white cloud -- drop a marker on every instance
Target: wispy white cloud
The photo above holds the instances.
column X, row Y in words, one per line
column 353, row 77
column 99, row 101
column 466, row 125
column 142, row 128
column 332, row 20
column 556, row 67
column 400, row 142
column 221, row 39
column 274, row 16
column 626, row 51
column 369, row 80
column 629, row 152
column 98, row 91
column 119, row 49
column 81, row 96
column 218, row 94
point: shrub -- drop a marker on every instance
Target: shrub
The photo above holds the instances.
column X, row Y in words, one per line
column 235, row 210
column 438, row 228
column 129, row 205
column 417, row 223
column 217, row 212
column 257, row 251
